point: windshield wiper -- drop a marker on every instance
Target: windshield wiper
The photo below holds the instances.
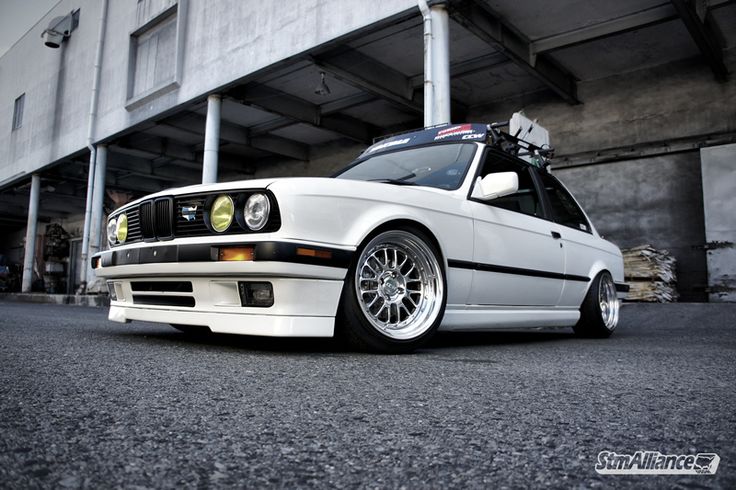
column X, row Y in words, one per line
column 393, row 181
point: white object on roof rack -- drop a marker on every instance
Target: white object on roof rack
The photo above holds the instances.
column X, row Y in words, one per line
column 527, row 130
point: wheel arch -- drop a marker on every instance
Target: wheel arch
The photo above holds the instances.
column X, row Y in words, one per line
column 402, row 224
column 597, row 267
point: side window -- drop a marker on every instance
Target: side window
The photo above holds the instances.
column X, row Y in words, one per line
column 564, row 209
column 524, row 201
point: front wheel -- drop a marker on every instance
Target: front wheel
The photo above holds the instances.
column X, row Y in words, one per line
column 395, row 293
column 600, row 308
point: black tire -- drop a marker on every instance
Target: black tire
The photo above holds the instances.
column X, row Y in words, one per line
column 192, row 329
column 594, row 322
column 415, row 262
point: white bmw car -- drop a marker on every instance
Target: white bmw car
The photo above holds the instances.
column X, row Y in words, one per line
column 444, row 228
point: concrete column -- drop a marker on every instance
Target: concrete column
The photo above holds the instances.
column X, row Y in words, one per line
column 440, row 63
column 87, row 216
column 97, row 211
column 31, row 229
column 211, row 139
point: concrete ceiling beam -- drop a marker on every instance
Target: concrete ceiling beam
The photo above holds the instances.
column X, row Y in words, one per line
column 297, row 109
column 704, row 38
column 469, row 67
column 478, row 19
column 49, row 202
column 281, row 146
column 644, row 18
column 370, row 75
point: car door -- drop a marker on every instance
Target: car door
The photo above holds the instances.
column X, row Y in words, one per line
column 517, row 258
column 576, row 235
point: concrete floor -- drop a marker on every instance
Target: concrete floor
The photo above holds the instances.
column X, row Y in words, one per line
column 85, row 403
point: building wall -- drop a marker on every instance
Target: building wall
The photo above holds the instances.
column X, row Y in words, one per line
column 227, row 40
column 56, row 83
column 655, row 200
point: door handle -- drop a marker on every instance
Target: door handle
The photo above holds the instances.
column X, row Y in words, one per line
column 556, row 235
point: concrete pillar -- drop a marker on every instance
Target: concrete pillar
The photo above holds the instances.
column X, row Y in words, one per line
column 97, row 211
column 31, row 228
column 440, row 63
column 211, row 139
column 87, row 217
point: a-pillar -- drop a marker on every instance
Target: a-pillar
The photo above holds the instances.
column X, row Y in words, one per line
column 31, row 228
column 211, row 139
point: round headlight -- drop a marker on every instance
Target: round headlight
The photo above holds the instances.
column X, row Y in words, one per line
column 221, row 213
column 256, row 211
column 121, row 230
column 112, row 231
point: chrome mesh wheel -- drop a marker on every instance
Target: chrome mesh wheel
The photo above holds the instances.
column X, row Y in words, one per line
column 399, row 285
column 608, row 301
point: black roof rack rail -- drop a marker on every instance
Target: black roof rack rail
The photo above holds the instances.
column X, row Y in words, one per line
column 513, row 145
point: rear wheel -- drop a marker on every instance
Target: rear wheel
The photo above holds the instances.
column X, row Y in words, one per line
column 600, row 309
column 395, row 293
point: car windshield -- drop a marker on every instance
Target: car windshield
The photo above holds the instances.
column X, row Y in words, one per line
column 440, row 166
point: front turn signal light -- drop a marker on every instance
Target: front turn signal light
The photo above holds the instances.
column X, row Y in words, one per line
column 236, row 253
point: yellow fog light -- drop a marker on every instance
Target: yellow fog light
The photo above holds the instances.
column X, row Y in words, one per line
column 121, row 229
column 221, row 213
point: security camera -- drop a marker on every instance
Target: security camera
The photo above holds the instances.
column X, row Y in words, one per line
column 59, row 29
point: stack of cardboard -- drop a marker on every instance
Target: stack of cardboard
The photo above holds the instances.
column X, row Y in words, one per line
column 650, row 274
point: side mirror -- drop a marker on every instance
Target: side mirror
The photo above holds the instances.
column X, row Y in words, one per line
column 497, row 185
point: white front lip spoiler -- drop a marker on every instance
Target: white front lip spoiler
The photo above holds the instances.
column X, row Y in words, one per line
column 233, row 323
column 303, row 307
column 220, row 269
column 306, row 296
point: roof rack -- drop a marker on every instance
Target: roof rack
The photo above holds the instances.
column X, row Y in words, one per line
column 513, row 145
column 538, row 156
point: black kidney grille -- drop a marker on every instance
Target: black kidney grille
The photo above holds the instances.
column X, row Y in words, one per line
column 134, row 225
column 145, row 211
column 163, row 218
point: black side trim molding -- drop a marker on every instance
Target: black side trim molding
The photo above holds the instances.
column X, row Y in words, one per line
column 622, row 288
column 264, row 251
column 503, row 269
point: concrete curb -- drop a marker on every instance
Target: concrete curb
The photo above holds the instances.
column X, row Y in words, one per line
column 57, row 299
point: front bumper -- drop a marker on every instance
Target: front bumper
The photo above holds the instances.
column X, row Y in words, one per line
column 306, row 295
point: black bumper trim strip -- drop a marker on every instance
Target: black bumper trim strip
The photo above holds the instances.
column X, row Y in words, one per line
column 622, row 288
column 264, row 251
column 502, row 269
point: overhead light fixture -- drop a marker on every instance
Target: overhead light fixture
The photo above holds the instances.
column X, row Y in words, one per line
column 322, row 88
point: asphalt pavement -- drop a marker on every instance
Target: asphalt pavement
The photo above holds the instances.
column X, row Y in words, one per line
column 87, row 403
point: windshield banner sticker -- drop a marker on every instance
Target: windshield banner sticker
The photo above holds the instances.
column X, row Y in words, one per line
column 454, row 131
column 388, row 144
